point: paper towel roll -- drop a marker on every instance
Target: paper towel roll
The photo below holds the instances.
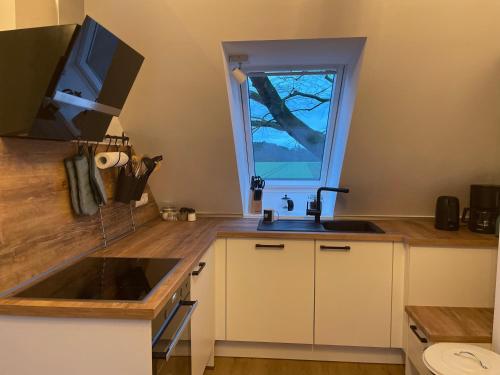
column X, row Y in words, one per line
column 105, row 160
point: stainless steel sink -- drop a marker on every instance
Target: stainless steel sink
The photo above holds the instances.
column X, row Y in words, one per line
column 341, row 226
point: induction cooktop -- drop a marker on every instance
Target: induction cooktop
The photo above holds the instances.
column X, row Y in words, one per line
column 126, row 279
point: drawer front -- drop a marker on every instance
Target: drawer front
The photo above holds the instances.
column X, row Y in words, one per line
column 416, row 349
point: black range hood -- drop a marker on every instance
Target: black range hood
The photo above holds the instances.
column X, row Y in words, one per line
column 63, row 82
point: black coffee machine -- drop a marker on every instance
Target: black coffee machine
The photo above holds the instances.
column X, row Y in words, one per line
column 484, row 208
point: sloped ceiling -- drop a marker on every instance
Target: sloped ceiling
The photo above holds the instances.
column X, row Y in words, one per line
column 426, row 122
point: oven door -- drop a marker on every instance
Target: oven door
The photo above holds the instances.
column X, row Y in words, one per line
column 172, row 342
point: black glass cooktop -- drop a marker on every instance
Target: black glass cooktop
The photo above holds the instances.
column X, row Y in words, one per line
column 128, row 279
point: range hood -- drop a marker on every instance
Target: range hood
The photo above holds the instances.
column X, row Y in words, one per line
column 64, row 82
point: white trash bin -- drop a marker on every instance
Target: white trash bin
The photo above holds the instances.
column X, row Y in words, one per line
column 461, row 359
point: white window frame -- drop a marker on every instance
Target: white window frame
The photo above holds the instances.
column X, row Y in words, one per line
column 296, row 185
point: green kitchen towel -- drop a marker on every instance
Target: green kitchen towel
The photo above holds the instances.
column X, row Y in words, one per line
column 88, row 205
column 72, row 182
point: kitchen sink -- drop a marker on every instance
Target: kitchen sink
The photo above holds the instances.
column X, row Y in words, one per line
column 341, row 226
column 357, row 226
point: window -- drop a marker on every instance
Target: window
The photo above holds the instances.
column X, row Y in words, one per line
column 290, row 122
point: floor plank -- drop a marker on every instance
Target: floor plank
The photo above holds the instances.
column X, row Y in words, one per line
column 254, row 366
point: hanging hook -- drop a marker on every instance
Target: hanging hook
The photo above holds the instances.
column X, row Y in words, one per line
column 109, row 144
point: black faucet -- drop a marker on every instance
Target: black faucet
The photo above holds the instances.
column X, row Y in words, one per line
column 316, row 212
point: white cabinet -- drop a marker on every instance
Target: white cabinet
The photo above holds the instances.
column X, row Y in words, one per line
column 353, row 293
column 417, row 343
column 203, row 320
column 270, row 290
column 441, row 276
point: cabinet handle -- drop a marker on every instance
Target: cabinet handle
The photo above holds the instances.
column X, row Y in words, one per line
column 264, row 246
column 343, row 248
column 198, row 271
column 423, row 340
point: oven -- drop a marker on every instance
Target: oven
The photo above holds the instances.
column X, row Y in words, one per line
column 171, row 329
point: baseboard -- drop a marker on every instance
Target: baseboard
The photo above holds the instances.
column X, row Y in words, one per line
column 308, row 352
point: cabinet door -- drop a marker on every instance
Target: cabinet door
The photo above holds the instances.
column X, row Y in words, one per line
column 203, row 320
column 270, row 291
column 353, row 293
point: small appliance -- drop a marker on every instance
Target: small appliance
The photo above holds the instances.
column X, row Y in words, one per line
column 447, row 213
column 484, row 208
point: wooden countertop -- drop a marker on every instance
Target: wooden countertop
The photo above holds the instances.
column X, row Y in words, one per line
column 453, row 324
column 189, row 241
column 157, row 239
column 414, row 232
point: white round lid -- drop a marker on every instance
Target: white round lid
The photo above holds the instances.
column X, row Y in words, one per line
column 461, row 359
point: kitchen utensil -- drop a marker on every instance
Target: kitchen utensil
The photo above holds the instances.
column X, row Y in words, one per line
column 257, row 185
column 269, row 216
column 287, row 203
column 484, row 208
column 460, row 359
column 447, row 213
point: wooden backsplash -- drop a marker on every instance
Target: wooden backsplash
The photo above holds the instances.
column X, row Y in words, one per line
column 38, row 229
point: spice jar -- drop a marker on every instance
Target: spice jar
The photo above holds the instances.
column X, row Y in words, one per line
column 169, row 213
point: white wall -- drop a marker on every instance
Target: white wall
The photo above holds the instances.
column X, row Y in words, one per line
column 70, row 11
column 7, row 14
column 36, row 13
column 426, row 121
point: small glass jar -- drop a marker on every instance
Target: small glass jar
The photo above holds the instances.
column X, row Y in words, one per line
column 169, row 213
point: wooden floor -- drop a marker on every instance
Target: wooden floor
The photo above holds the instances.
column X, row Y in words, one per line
column 245, row 366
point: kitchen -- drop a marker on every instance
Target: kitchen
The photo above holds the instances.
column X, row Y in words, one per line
column 407, row 112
